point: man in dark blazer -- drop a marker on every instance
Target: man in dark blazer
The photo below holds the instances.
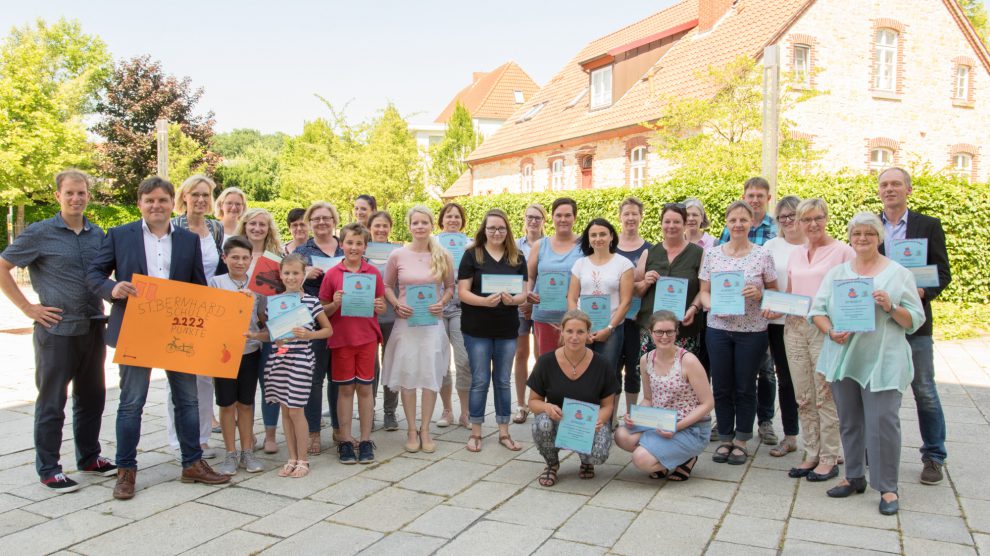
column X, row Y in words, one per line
column 900, row 223
column 152, row 247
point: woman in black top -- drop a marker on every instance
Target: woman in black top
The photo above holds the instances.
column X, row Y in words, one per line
column 571, row 371
column 490, row 322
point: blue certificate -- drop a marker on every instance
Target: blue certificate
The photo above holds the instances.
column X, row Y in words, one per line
column 552, row 287
column 634, row 306
column 455, row 242
column 420, row 298
column 325, row 263
column 359, row 295
column 925, row 276
column 786, row 303
column 855, row 309
column 277, row 305
column 909, row 253
column 671, row 295
column 727, row 297
column 576, row 431
column 653, row 417
column 280, row 327
column 498, row 283
column 599, row 309
column 377, row 251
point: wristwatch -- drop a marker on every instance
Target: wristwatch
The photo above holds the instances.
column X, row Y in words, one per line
column 610, row 327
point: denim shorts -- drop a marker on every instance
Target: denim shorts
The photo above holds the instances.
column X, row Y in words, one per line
column 525, row 326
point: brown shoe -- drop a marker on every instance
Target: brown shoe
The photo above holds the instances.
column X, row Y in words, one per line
column 124, row 489
column 932, row 473
column 201, row 472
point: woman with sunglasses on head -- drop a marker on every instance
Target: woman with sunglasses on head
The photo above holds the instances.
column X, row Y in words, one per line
column 534, row 218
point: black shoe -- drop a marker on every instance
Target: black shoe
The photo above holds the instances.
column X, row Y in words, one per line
column 819, row 477
column 799, row 472
column 888, row 508
column 101, row 466
column 366, row 452
column 60, row 483
column 345, row 453
column 857, row 485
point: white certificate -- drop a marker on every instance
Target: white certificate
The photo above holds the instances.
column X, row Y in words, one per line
column 786, row 303
column 925, row 276
column 498, row 283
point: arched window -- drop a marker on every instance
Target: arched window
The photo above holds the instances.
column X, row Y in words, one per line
column 881, row 158
column 527, row 178
column 637, row 167
column 885, row 64
column 557, row 174
column 962, row 164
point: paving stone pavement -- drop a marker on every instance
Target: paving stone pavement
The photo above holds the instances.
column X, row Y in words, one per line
column 456, row 502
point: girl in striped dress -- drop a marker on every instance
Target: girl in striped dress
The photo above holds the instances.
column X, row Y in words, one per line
column 289, row 370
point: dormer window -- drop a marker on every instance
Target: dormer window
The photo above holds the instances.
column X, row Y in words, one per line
column 601, row 87
column 519, row 97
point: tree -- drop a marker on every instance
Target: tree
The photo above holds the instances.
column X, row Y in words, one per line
column 389, row 164
column 722, row 133
column 234, row 143
column 976, row 11
column 448, row 156
column 255, row 170
column 185, row 156
column 136, row 94
column 49, row 75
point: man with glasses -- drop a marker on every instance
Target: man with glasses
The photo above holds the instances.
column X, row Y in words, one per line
column 894, row 188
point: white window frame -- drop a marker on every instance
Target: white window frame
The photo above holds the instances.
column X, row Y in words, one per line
column 557, row 174
column 962, row 164
column 518, row 96
column 637, row 167
column 879, row 162
column 885, row 67
column 601, row 87
column 963, row 74
column 802, row 64
column 527, row 178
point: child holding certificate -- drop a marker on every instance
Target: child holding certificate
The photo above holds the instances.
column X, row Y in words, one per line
column 674, row 379
column 352, row 294
column 290, row 367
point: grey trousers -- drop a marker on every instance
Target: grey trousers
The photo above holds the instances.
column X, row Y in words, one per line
column 545, row 433
column 869, row 423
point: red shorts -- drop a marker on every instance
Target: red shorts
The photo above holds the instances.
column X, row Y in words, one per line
column 354, row 364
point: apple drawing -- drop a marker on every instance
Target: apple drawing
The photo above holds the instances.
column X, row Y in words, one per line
column 726, row 283
column 553, row 281
column 225, row 354
column 907, row 251
column 421, row 296
column 358, row 286
column 594, row 305
column 670, row 288
column 852, row 294
column 578, row 415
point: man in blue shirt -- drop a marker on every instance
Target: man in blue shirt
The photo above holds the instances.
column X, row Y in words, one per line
column 756, row 193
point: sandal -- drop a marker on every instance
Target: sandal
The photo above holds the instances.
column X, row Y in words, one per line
column 301, row 470
column 477, row 447
column 414, row 446
column 549, row 476
column 659, row 475
column 314, row 444
column 733, row 459
column 288, row 468
column 587, row 471
column 722, row 457
column 509, row 443
column 521, row 415
column 783, row 448
column 683, row 471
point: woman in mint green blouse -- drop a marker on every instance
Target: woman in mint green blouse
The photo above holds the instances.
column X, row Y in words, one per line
column 869, row 371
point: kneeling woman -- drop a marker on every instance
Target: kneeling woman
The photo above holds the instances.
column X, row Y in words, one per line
column 674, row 379
column 571, row 371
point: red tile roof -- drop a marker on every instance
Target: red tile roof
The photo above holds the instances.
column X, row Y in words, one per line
column 492, row 95
column 461, row 187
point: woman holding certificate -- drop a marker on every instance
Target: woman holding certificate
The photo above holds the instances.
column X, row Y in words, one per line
column 631, row 246
column 671, row 428
column 733, row 276
column 452, row 220
column 418, row 354
column 572, row 375
column 866, row 307
column 601, row 286
column 806, row 268
column 535, row 215
column 380, row 224
column 491, row 281
column 550, row 263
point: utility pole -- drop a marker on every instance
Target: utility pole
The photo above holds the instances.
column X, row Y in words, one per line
column 161, row 134
column 771, row 115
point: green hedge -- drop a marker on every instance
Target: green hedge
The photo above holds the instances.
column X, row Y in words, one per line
column 962, row 207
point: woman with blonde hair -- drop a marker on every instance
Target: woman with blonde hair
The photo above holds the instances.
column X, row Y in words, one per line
column 417, row 357
column 230, row 205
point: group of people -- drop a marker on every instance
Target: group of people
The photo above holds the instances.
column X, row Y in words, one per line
column 833, row 386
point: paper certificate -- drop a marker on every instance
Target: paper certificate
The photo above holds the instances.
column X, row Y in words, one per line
column 278, row 305
column 653, row 417
column 925, row 276
column 786, row 303
column 359, row 295
column 498, row 283
column 727, row 297
column 576, row 431
column 265, row 276
column 909, row 253
column 184, row 327
column 552, row 287
column 280, row 327
column 325, row 263
column 377, row 251
column 671, row 295
column 634, row 306
column 855, row 309
column 599, row 309
column 420, row 298
column 455, row 242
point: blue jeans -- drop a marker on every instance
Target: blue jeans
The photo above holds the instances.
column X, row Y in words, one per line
column 314, row 407
column 931, row 420
column 269, row 411
column 134, row 383
column 491, row 362
column 735, row 360
column 610, row 349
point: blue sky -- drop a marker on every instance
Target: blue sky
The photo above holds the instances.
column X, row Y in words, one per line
column 261, row 62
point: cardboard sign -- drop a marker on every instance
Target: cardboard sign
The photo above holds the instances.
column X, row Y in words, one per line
column 184, row 327
column 265, row 276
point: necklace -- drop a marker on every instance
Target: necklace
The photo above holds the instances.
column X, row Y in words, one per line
column 574, row 366
column 240, row 285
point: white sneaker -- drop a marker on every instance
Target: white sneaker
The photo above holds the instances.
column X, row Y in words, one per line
column 229, row 465
column 208, row 453
column 446, row 418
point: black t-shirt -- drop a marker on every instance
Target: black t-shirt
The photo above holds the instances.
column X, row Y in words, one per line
column 499, row 322
column 550, row 381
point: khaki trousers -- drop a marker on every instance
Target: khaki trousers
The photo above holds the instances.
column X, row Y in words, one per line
column 816, row 408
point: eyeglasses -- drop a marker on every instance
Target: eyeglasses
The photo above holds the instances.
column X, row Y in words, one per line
column 662, row 333
column 786, row 217
column 321, row 219
column 816, row 219
column 536, row 218
column 494, row 230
